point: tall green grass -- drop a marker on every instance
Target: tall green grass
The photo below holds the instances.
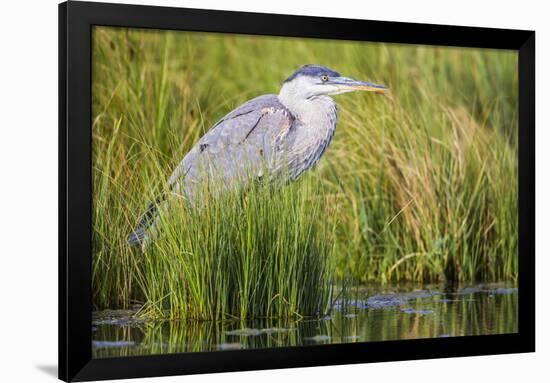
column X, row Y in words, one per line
column 421, row 186
column 261, row 253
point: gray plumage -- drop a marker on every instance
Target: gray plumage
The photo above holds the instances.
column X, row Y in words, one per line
column 282, row 135
column 238, row 147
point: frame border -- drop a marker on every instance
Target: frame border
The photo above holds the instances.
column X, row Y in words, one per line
column 75, row 189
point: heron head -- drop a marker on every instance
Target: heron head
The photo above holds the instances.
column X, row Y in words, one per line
column 316, row 80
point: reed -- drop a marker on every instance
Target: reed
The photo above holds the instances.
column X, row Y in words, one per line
column 421, row 186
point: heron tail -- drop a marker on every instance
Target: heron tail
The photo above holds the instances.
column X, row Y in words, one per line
column 141, row 234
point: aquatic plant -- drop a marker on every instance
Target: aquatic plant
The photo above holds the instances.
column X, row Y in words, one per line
column 421, row 186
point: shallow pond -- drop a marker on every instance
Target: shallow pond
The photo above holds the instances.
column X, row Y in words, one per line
column 371, row 314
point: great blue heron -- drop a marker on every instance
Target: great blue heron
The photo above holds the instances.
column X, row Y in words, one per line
column 266, row 135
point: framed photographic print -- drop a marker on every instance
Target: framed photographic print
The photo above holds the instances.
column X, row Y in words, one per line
column 248, row 191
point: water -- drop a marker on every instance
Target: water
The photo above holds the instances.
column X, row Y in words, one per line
column 369, row 314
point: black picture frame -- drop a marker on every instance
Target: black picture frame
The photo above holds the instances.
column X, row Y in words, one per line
column 75, row 189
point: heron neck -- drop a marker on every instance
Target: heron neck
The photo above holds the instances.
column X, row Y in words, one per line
column 316, row 124
column 310, row 111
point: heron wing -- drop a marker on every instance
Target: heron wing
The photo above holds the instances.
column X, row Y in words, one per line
column 239, row 146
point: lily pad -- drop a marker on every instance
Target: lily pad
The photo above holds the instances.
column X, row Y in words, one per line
column 256, row 331
column 503, row 290
column 229, row 346
column 319, row 338
column 415, row 311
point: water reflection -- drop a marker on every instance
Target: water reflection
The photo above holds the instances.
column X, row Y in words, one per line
column 367, row 314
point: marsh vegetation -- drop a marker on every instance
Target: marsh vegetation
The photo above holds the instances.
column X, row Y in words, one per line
column 420, row 186
column 373, row 315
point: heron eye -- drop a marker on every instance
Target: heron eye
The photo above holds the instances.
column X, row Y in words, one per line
column 324, row 78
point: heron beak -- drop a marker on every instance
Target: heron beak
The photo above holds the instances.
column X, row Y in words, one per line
column 349, row 84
